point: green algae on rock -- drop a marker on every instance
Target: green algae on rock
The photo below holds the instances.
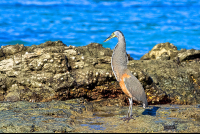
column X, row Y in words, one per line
column 79, row 115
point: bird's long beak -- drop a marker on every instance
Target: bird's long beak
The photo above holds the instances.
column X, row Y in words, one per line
column 110, row 37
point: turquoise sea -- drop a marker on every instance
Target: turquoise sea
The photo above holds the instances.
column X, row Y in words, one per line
column 144, row 23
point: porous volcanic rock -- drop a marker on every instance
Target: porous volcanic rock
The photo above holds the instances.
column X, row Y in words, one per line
column 163, row 51
column 167, row 51
column 54, row 71
column 180, row 82
column 175, row 71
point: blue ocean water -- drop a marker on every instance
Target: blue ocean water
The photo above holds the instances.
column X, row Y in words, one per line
column 144, row 23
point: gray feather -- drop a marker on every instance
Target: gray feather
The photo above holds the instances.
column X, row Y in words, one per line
column 135, row 88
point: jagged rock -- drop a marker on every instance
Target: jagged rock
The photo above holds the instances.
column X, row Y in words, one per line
column 12, row 96
column 13, row 93
column 180, row 82
column 12, row 49
column 163, row 51
column 2, row 87
column 191, row 54
column 50, row 43
column 1, row 53
column 54, row 71
column 167, row 51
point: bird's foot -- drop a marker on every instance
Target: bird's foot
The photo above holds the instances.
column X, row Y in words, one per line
column 127, row 118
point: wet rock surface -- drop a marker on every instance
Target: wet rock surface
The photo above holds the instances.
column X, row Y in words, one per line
column 79, row 115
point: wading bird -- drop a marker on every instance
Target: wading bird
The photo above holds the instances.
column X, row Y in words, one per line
column 129, row 84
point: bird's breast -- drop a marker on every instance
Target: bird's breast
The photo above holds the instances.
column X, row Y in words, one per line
column 123, row 85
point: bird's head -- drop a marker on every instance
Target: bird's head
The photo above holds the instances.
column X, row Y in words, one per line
column 114, row 34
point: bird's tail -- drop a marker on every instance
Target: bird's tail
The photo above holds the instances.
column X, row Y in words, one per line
column 145, row 104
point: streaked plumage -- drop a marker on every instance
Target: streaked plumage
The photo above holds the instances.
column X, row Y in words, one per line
column 128, row 82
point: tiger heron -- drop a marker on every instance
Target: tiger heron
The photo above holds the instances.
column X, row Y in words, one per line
column 129, row 84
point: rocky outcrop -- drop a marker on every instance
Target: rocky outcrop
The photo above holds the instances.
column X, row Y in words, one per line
column 54, row 71
column 175, row 71
column 162, row 51
column 180, row 82
column 167, row 51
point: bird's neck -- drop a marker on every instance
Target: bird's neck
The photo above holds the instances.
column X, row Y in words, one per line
column 122, row 43
column 119, row 58
column 121, row 46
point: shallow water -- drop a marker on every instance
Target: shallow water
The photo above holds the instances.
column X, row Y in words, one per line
column 144, row 23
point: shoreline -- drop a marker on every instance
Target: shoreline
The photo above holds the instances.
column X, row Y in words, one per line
column 78, row 115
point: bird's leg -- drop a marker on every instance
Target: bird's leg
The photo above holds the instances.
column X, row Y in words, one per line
column 131, row 104
column 129, row 115
column 130, row 108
